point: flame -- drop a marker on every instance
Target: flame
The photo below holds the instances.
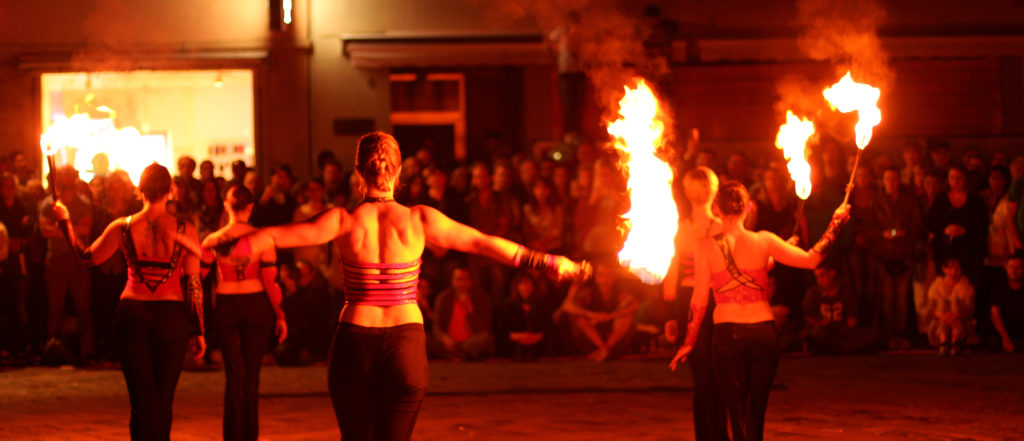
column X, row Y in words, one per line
column 792, row 139
column 80, row 138
column 847, row 95
column 652, row 218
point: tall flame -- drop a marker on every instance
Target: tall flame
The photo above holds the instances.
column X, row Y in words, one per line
column 652, row 218
column 82, row 138
column 792, row 139
column 847, row 95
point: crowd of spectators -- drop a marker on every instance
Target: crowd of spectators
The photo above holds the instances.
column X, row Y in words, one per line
column 930, row 257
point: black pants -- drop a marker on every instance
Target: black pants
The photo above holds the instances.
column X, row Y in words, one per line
column 745, row 357
column 152, row 337
column 244, row 323
column 709, row 417
column 377, row 378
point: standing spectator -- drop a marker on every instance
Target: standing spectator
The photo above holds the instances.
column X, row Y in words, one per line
column 459, row 182
column 597, row 216
column 863, row 272
column 440, row 196
column 1003, row 240
column 738, row 168
column 525, row 319
column 463, row 319
column 14, row 284
column 277, row 205
column 543, row 219
column 211, row 214
column 1008, row 306
column 959, row 226
column 335, row 183
column 60, row 259
column 528, row 173
column 601, row 313
column 207, row 172
column 189, row 200
column 938, row 151
column 911, row 162
column 22, row 172
column 315, row 255
column 494, row 214
column 894, row 240
column 974, row 170
column 950, row 309
column 238, row 172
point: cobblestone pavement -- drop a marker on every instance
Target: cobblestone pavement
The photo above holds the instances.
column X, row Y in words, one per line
column 891, row 397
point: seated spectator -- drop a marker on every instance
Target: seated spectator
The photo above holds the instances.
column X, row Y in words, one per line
column 600, row 312
column 525, row 319
column 830, row 311
column 1008, row 306
column 308, row 311
column 950, row 309
column 462, row 320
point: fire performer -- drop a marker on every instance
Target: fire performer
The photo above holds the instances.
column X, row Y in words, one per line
column 378, row 364
column 247, row 312
column 745, row 351
column 152, row 322
column 700, row 185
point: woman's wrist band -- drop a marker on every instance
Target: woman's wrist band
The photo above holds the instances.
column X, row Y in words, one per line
column 533, row 259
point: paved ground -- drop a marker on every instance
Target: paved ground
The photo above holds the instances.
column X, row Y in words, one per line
column 884, row 397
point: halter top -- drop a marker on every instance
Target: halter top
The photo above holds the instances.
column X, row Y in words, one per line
column 746, row 286
column 236, row 263
column 381, row 284
column 152, row 274
column 733, row 285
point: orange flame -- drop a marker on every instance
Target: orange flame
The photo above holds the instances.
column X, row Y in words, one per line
column 81, row 138
column 847, row 95
column 792, row 139
column 652, row 218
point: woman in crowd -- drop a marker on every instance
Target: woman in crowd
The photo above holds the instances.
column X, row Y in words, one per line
column 378, row 364
column 247, row 312
column 152, row 323
column 744, row 350
column 700, row 186
column 544, row 218
column 958, row 223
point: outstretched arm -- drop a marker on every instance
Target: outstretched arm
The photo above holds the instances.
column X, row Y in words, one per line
column 95, row 253
column 791, row 255
column 443, row 232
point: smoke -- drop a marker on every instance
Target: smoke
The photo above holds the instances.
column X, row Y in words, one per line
column 607, row 42
column 845, row 32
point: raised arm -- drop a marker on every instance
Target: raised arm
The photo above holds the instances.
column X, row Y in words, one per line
column 791, row 255
column 95, row 253
column 443, row 232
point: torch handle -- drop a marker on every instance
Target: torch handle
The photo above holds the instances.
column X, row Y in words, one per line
column 853, row 173
column 52, row 176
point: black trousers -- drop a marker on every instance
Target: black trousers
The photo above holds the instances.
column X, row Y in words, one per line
column 152, row 337
column 244, row 324
column 377, row 378
column 745, row 357
column 710, row 422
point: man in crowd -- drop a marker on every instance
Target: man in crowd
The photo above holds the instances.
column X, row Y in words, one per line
column 1008, row 306
column 74, row 277
column 462, row 320
column 601, row 313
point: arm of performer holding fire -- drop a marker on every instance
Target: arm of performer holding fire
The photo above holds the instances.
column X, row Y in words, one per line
column 445, row 233
column 791, row 255
column 93, row 254
column 268, row 272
